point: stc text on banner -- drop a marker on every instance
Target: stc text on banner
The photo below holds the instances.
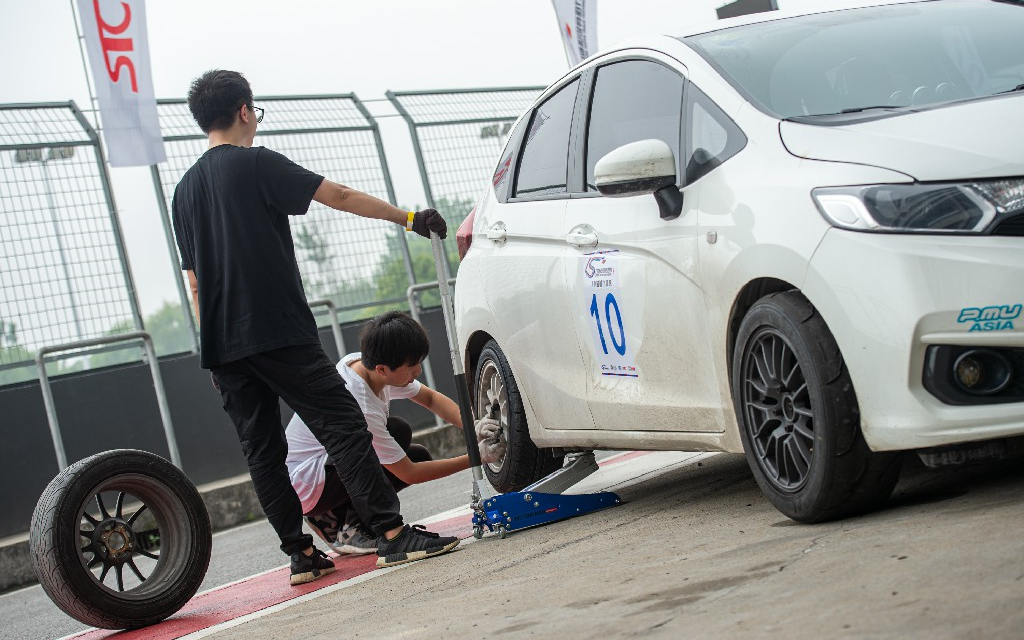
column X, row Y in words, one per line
column 115, row 37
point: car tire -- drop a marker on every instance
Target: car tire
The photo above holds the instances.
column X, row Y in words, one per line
column 496, row 395
column 799, row 418
column 113, row 518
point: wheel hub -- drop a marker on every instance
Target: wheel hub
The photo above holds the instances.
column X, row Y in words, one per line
column 492, row 401
column 114, row 541
column 788, row 410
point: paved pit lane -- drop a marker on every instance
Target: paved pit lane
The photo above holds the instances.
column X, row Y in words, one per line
column 695, row 550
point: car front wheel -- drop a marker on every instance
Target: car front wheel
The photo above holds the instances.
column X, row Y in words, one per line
column 496, row 395
column 798, row 415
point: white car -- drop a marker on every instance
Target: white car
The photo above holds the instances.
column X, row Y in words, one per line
column 796, row 237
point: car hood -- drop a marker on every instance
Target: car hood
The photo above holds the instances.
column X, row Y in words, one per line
column 979, row 139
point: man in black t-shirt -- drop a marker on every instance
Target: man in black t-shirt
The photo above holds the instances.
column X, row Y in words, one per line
column 257, row 333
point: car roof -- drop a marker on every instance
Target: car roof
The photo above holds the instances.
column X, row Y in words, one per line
column 659, row 41
column 769, row 16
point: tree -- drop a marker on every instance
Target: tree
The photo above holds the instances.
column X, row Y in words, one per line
column 22, row 361
column 310, row 241
column 168, row 327
column 389, row 279
column 12, row 353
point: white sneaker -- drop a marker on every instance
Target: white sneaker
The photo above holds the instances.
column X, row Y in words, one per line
column 352, row 540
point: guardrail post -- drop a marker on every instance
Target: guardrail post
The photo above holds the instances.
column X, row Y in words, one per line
column 412, row 293
column 158, row 385
column 339, row 341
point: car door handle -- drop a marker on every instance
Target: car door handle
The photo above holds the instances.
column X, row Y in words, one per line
column 497, row 233
column 581, row 238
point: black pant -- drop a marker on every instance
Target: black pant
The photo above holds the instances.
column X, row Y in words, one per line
column 336, row 499
column 306, row 379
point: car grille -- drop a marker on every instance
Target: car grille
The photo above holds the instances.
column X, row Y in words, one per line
column 1010, row 227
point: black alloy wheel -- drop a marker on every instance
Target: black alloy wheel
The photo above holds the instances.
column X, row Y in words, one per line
column 120, row 540
column 798, row 415
column 777, row 410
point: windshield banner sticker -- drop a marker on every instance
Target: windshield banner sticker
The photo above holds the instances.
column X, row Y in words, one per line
column 998, row 318
column 603, row 305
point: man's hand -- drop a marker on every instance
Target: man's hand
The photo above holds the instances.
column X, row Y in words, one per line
column 492, row 445
column 423, row 222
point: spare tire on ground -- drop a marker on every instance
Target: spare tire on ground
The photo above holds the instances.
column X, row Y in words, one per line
column 120, row 540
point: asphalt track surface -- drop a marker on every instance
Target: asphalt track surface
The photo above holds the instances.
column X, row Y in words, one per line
column 240, row 552
column 694, row 551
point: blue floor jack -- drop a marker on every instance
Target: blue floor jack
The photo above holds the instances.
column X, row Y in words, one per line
column 543, row 501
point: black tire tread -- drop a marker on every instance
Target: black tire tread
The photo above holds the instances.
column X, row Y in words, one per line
column 60, row 575
column 862, row 480
column 525, row 463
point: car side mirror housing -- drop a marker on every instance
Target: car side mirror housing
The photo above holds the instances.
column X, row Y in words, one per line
column 637, row 168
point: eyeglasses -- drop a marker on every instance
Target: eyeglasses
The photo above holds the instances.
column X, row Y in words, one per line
column 258, row 111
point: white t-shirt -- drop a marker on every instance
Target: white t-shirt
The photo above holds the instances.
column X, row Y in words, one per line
column 307, row 457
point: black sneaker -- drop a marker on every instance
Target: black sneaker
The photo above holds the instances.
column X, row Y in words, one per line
column 413, row 543
column 309, row 568
column 325, row 526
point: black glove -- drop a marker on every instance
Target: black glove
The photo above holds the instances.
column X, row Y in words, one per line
column 423, row 222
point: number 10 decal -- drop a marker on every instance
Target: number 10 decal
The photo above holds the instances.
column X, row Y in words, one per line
column 603, row 297
column 609, row 304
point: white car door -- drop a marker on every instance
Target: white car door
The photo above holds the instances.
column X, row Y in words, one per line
column 526, row 291
column 633, row 276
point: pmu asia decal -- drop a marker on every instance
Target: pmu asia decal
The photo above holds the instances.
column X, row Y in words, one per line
column 996, row 318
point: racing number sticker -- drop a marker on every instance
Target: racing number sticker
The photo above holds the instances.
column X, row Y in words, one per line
column 603, row 299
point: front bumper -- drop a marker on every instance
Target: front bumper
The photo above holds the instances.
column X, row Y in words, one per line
column 887, row 298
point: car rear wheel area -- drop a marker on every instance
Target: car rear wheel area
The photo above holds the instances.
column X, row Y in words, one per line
column 496, row 396
column 798, row 415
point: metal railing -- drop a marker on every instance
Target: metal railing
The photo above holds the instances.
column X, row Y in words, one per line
column 412, row 294
column 158, row 385
column 457, row 135
column 342, row 258
column 64, row 272
column 332, row 311
column 65, row 284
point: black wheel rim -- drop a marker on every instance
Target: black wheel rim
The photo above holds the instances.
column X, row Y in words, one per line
column 777, row 412
column 492, row 402
column 134, row 536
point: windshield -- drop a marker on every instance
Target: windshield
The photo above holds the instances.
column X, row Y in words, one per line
column 898, row 56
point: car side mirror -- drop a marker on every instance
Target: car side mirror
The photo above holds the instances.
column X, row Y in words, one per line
column 637, row 168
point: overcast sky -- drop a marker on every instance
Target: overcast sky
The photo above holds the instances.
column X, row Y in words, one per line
column 317, row 47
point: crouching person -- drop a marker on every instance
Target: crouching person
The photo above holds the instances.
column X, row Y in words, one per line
column 393, row 346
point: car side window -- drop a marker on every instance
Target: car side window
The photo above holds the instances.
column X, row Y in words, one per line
column 502, row 172
column 633, row 100
column 543, row 166
column 712, row 137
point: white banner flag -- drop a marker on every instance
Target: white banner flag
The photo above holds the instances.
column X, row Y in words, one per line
column 115, row 37
column 577, row 20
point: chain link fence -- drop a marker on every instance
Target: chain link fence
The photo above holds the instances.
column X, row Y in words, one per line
column 356, row 263
column 457, row 136
column 63, row 272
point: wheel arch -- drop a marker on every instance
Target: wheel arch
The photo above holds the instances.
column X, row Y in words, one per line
column 747, row 296
column 471, row 356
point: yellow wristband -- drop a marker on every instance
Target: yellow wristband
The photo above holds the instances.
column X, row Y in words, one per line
column 408, row 222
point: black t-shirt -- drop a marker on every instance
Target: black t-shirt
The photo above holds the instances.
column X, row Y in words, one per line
column 230, row 214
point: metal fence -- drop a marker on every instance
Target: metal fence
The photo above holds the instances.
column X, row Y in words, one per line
column 351, row 261
column 457, row 136
column 63, row 272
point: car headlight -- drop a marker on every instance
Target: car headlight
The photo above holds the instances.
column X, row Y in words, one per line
column 961, row 207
